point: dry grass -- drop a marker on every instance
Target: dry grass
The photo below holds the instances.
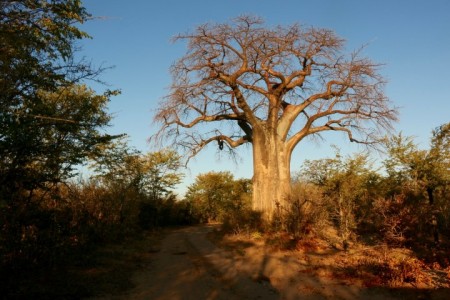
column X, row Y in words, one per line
column 378, row 266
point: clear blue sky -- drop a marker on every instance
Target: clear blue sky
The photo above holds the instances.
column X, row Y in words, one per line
column 411, row 37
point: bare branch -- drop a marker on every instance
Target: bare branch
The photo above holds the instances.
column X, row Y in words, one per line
column 291, row 81
column 193, row 144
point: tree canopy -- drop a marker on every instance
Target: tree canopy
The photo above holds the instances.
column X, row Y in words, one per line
column 49, row 120
column 217, row 195
column 258, row 76
column 271, row 87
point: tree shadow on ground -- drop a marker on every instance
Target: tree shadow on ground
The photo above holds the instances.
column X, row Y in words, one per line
column 106, row 270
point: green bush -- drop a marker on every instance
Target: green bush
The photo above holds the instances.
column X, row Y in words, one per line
column 243, row 221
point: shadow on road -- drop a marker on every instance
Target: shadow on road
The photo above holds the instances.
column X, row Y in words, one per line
column 189, row 266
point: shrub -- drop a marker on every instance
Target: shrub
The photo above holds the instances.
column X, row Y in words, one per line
column 243, row 221
column 307, row 211
column 396, row 272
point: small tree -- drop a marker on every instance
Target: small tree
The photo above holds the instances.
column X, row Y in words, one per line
column 344, row 182
column 422, row 174
column 271, row 88
column 422, row 169
column 161, row 173
column 216, row 195
column 142, row 182
column 438, row 161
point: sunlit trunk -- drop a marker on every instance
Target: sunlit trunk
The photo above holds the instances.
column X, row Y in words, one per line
column 271, row 179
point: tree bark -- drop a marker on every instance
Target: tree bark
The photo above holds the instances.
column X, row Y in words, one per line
column 271, row 179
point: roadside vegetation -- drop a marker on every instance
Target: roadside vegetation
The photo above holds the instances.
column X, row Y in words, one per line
column 386, row 223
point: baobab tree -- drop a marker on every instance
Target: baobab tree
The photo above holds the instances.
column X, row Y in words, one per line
column 244, row 83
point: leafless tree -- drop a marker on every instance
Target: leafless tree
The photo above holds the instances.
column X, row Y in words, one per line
column 272, row 88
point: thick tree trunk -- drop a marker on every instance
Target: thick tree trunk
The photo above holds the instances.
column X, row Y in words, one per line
column 271, row 175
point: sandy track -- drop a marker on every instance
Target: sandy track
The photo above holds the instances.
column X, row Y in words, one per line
column 189, row 266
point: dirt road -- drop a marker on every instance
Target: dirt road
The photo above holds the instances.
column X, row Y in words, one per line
column 187, row 265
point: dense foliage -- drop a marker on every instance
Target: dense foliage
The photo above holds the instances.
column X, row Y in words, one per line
column 407, row 204
column 50, row 122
